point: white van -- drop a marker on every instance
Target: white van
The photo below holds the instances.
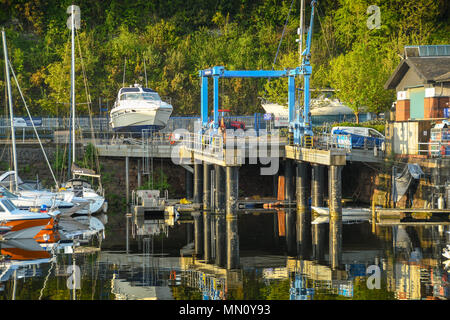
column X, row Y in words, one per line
column 360, row 131
column 360, row 137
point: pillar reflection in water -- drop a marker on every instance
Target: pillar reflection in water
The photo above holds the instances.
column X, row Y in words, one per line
column 303, row 210
column 290, row 232
column 232, row 179
column 220, row 225
column 207, row 236
column 198, row 183
column 198, row 233
column 318, row 242
column 335, row 203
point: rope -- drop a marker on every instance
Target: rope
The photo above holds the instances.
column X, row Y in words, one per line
column 32, row 122
column 88, row 97
column 49, row 271
column 324, row 33
column 279, row 44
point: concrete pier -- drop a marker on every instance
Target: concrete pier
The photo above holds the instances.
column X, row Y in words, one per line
column 335, row 198
column 198, row 183
column 231, row 218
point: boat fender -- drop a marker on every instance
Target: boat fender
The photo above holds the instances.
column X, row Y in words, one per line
column 171, row 138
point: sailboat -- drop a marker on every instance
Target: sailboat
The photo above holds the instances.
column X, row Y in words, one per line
column 77, row 186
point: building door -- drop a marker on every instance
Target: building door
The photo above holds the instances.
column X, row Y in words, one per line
column 416, row 97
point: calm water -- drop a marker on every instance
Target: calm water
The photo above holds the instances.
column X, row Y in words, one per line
column 276, row 260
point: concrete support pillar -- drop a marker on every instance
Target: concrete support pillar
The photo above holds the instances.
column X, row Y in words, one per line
column 231, row 217
column 304, row 238
column 335, row 204
column 198, row 233
column 220, row 184
column 189, row 182
column 289, row 180
column 198, row 183
column 317, row 185
column 207, row 186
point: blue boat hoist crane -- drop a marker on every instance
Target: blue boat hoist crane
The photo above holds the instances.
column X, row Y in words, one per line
column 300, row 127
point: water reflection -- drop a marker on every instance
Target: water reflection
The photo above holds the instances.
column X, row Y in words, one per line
column 244, row 255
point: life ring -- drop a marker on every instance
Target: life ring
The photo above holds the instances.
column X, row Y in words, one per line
column 171, row 138
column 443, row 150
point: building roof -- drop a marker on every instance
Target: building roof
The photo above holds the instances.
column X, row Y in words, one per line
column 429, row 69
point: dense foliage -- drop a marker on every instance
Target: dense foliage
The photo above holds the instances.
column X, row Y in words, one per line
column 170, row 41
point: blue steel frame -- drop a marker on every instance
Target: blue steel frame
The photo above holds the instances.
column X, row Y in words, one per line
column 299, row 127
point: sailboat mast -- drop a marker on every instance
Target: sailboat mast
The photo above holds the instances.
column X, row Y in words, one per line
column 301, row 31
column 72, row 80
column 10, row 103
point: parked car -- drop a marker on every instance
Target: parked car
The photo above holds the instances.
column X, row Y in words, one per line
column 360, row 137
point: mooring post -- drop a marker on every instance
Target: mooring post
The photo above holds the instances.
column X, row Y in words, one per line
column 198, row 183
column 198, row 234
column 127, row 181
column 231, row 217
column 335, row 204
column 304, row 237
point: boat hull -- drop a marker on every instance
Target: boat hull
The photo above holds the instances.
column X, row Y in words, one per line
column 25, row 228
column 139, row 120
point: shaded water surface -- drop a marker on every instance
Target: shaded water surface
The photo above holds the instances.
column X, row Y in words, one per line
column 276, row 259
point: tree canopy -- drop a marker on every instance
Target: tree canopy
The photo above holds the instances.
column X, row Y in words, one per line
column 170, row 41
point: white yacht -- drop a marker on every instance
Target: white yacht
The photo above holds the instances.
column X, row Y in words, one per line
column 23, row 224
column 138, row 108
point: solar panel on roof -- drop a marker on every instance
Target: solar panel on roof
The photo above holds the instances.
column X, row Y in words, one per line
column 427, row 50
column 130, row 90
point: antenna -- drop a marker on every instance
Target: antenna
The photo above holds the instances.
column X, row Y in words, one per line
column 124, row 69
column 145, row 72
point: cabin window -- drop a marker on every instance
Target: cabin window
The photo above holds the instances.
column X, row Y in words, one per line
column 148, row 96
column 8, row 205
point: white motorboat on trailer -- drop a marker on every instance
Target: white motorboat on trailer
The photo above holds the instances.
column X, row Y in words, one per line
column 138, row 108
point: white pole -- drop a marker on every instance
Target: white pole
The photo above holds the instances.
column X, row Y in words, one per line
column 73, row 84
column 8, row 84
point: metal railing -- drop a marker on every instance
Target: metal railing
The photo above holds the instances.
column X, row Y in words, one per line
column 437, row 149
